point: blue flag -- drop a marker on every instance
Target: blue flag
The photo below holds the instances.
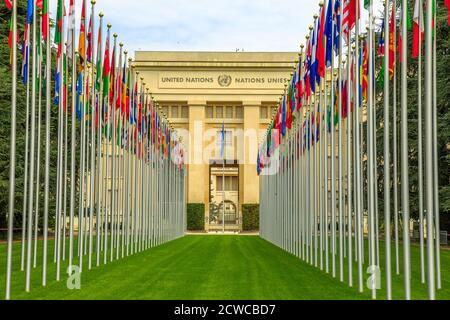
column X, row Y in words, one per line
column 329, row 34
column 222, row 145
column 30, row 9
column 79, row 102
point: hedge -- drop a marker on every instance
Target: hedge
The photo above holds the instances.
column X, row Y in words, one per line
column 196, row 216
column 250, row 217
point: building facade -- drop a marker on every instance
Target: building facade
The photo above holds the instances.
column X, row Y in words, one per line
column 203, row 92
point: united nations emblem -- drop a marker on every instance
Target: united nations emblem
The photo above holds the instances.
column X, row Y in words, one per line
column 224, row 80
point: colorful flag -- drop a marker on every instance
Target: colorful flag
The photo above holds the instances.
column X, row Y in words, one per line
column 89, row 41
column 30, row 8
column 337, row 24
column 392, row 44
column 82, row 39
column 58, row 29
column 25, row 54
column 419, row 29
column 106, row 67
column 320, row 53
column 349, row 16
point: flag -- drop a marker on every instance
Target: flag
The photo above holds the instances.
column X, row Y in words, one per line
column 392, row 44
column 320, row 45
column 82, row 39
column 30, row 8
column 8, row 4
column 337, row 24
column 364, row 73
column 10, row 40
column 400, row 33
column 106, row 67
column 89, row 41
column 124, row 99
column 419, row 29
column 58, row 29
column 283, row 117
column 25, row 54
column 329, row 34
column 98, row 65
column 313, row 62
column 447, row 4
column 349, row 16
column 45, row 20
column 222, row 143
column 71, row 31
column 79, row 99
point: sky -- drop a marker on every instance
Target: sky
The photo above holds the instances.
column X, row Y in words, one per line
column 206, row 25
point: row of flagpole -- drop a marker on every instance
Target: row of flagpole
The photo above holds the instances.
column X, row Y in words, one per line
column 301, row 210
column 120, row 177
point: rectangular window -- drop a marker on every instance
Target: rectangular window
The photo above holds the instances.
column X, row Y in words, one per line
column 219, row 112
column 227, row 183
column 229, row 112
column 165, row 110
column 239, row 113
column 219, row 183
column 234, row 186
column 228, row 138
column 263, row 113
column 209, row 112
column 185, row 112
column 174, row 112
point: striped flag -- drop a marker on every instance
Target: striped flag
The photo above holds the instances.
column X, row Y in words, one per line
column 419, row 28
column 349, row 16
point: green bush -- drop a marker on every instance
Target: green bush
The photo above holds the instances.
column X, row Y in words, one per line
column 250, row 217
column 196, row 216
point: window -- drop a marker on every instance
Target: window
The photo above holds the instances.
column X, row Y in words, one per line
column 228, row 138
column 231, row 183
column 239, row 113
column 219, row 183
column 219, row 112
column 165, row 110
column 185, row 112
column 209, row 112
column 264, row 113
column 174, row 112
column 229, row 114
column 234, row 183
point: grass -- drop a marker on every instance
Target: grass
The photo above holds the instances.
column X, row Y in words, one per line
column 210, row 267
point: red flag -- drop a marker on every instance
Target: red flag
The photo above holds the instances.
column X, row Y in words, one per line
column 320, row 54
column 447, row 4
column 8, row 4
column 391, row 43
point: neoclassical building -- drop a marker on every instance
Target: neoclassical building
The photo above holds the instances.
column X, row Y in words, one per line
column 201, row 91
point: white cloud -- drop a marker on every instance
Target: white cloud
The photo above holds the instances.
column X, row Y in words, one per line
column 205, row 25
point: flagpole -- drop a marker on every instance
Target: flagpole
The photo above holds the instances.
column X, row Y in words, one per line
column 436, row 163
column 73, row 147
column 27, row 139
column 66, row 147
column 420, row 145
column 223, row 175
column 349, row 167
column 387, row 182
column 12, row 155
column 333, row 150
column 340, row 156
column 99, row 184
column 48, row 68
column 429, row 148
column 93, row 189
column 32, row 162
column 370, row 150
column 404, row 155
column 113, row 123
column 395, row 138
column 38, row 160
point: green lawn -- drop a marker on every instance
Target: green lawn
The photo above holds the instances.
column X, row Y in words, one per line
column 209, row 267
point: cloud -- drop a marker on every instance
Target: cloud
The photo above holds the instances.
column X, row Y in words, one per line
column 205, row 25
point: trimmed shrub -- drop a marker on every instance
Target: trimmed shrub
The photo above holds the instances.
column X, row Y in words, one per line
column 250, row 217
column 196, row 216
